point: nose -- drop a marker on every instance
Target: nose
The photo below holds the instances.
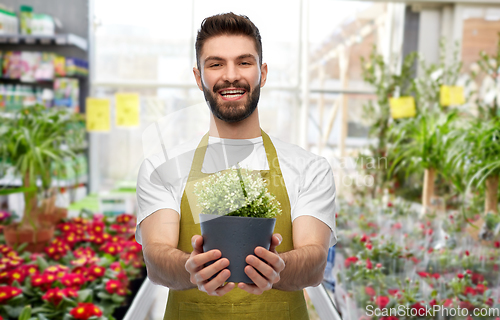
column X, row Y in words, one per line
column 231, row 73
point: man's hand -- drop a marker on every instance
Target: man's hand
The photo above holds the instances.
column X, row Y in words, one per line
column 270, row 271
column 200, row 274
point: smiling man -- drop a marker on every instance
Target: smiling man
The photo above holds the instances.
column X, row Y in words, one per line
column 230, row 73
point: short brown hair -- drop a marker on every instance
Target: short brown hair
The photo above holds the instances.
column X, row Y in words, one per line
column 227, row 24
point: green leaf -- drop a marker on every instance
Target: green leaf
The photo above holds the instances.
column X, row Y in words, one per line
column 117, row 298
column 84, row 295
column 26, row 313
column 103, row 295
column 42, row 263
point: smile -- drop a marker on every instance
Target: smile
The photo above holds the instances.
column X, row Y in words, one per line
column 232, row 94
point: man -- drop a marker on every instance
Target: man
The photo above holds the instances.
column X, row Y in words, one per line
column 230, row 73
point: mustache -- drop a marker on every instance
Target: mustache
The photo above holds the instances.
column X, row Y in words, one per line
column 231, row 85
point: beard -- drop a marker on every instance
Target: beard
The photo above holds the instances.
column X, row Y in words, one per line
column 232, row 111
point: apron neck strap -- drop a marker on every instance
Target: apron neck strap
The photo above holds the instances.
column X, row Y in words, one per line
column 272, row 157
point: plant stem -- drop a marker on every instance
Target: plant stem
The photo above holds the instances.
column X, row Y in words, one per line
column 491, row 201
column 428, row 192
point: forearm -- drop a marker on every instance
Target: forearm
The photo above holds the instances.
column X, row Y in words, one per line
column 166, row 266
column 304, row 267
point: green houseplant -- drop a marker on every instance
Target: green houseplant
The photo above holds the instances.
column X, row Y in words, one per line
column 34, row 141
column 238, row 214
column 388, row 83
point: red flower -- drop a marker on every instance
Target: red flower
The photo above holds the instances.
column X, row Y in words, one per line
column 119, row 228
column 116, row 266
column 133, row 246
column 115, row 286
column 397, row 225
column 497, row 244
column 469, row 290
column 368, row 246
column 447, row 303
column 389, row 318
column 460, row 276
column 468, row 271
column 389, row 204
column 16, row 275
column 7, row 292
column 423, row 274
column 97, row 227
column 417, row 306
column 84, row 252
column 70, row 293
column 378, row 265
column 369, row 265
column 466, row 305
column 392, row 292
column 370, row 291
column 364, row 238
column 53, row 296
column 481, row 288
column 433, row 302
column 124, row 218
column 122, row 277
column 349, row 261
column 73, row 280
column 467, row 253
column 97, row 271
column 382, row 301
column 111, row 248
column 83, row 311
column 436, row 275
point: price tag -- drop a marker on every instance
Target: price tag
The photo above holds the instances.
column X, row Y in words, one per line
column 403, row 107
column 452, row 96
column 127, row 109
column 97, row 115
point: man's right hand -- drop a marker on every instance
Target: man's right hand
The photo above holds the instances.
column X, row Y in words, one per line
column 199, row 274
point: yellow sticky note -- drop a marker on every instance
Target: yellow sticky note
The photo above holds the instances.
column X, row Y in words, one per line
column 97, row 114
column 127, row 109
column 452, row 96
column 403, row 107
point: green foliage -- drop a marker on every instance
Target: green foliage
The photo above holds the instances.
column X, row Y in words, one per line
column 388, row 82
column 421, row 142
column 490, row 67
column 237, row 192
column 32, row 140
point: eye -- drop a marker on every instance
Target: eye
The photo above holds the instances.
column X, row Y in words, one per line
column 246, row 63
column 214, row 65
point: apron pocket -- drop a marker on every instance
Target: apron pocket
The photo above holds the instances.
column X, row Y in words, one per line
column 224, row 311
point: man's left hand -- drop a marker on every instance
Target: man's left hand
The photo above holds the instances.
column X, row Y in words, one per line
column 270, row 271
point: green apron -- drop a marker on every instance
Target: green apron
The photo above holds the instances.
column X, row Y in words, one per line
column 237, row 304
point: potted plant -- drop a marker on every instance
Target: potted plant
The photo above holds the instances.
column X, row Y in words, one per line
column 33, row 141
column 238, row 214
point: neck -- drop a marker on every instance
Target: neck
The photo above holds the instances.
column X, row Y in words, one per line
column 245, row 129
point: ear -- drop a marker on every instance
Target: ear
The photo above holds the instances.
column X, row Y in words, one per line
column 263, row 74
column 197, row 76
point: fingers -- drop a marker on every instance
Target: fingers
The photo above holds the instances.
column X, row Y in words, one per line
column 250, row 288
column 197, row 243
column 272, row 259
column 207, row 272
column 275, row 241
column 214, row 286
column 197, row 260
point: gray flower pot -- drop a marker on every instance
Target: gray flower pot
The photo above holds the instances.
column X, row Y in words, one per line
column 236, row 238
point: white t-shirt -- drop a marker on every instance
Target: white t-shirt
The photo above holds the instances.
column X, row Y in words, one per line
column 308, row 177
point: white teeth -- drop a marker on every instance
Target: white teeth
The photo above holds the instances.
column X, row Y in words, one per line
column 232, row 92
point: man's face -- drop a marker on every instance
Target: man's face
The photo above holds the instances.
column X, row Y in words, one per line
column 230, row 76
